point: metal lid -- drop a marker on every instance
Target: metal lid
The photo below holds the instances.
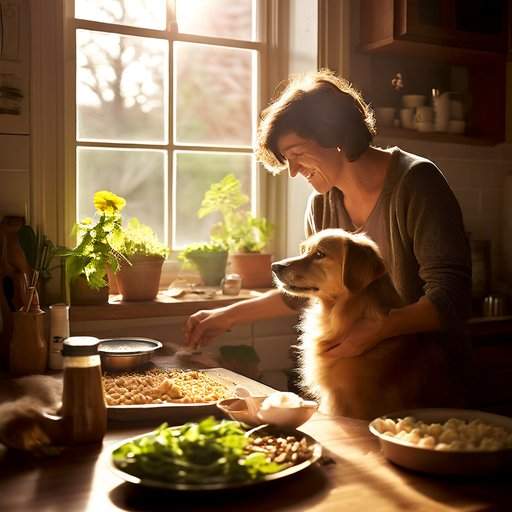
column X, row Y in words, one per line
column 80, row 346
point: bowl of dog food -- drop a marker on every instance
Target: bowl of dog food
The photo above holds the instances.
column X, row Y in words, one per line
column 119, row 354
column 446, row 441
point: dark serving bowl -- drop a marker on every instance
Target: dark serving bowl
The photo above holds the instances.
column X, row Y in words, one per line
column 126, row 353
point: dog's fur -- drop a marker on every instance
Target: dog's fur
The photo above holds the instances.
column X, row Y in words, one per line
column 345, row 279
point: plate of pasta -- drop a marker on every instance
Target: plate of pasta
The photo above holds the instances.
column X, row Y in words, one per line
column 446, row 441
column 172, row 394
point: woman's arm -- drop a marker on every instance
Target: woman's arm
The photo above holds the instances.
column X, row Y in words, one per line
column 205, row 325
column 422, row 316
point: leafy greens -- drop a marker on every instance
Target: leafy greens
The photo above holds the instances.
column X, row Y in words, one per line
column 210, row 451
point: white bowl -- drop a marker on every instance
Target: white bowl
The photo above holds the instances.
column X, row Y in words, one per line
column 428, row 460
column 413, row 100
column 285, row 417
column 288, row 417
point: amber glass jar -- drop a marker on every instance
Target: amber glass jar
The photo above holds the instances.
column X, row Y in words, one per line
column 83, row 404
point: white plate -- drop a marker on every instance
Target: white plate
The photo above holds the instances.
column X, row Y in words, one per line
column 175, row 413
column 445, row 462
column 147, row 482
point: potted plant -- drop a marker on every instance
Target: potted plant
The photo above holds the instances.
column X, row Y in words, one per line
column 242, row 233
column 209, row 258
column 138, row 277
column 87, row 263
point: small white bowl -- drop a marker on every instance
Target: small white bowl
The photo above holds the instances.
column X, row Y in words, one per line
column 413, row 100
column 288, row 417
column 285, row 417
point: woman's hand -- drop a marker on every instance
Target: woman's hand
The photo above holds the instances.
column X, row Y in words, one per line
column 363, row 336
column 203, row 326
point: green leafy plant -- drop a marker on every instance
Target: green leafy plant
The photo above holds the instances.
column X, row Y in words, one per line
column 39, row 250
column 139, row 239
column 96, row 249
column 195, row 250
column 239, row 230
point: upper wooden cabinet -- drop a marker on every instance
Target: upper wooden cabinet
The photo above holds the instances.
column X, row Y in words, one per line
column 443, row 27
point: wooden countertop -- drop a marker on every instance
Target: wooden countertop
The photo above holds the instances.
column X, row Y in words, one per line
column 357, row 479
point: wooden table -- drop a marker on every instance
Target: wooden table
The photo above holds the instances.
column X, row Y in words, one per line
column 357, row 479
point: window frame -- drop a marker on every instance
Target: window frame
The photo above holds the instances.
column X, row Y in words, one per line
column 170, row 34
column 52, row 205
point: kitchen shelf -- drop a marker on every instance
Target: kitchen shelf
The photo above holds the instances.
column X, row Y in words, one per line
column 447, row 45
column 450, row 138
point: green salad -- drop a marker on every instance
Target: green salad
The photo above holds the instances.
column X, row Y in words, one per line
column 210, row 451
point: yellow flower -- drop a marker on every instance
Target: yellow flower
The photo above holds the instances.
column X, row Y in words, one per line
column 87, row 221
column 108, row 202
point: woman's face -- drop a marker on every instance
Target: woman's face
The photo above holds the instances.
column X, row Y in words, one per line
column 320, row 166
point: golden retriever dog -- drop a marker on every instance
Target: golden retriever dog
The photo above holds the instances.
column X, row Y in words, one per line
column 345, row 278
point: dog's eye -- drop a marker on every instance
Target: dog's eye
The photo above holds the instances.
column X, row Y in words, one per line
column 319, row 255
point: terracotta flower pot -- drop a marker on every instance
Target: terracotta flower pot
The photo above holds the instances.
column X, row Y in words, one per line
column 254, row 269
column 83, row 295
column 141, row 280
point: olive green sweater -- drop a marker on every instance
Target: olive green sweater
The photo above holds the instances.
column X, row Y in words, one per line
column 417, row 224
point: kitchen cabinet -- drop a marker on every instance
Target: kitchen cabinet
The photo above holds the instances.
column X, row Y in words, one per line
column 426, row 40
column 479, row 25
column 490, row 387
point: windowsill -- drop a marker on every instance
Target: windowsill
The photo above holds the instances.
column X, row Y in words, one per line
column 163, row 305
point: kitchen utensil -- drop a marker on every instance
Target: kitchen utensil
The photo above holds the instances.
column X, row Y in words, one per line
column 126, row 353
column 494, row 305
column 442, row 111
column 236, row 409
column 245, row 394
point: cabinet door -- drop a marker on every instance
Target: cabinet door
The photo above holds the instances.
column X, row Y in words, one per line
column 475, row 24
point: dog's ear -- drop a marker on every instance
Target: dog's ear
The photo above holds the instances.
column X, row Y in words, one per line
column 361, row 266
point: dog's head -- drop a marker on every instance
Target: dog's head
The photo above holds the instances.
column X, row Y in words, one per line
column 333, row 262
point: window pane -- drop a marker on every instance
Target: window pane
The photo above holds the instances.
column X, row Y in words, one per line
column 194, row 173
column 137, row 175
column 121, row 87
column 214, row 94
column 233, row 19
column 138, row 13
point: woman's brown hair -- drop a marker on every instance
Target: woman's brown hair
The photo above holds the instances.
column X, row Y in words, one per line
column 318, row 106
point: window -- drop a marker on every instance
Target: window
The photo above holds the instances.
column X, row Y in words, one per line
column 167, row 95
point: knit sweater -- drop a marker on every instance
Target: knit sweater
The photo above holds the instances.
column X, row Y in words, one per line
column 417, row 224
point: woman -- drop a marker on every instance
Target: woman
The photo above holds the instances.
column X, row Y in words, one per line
column 321, row 128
